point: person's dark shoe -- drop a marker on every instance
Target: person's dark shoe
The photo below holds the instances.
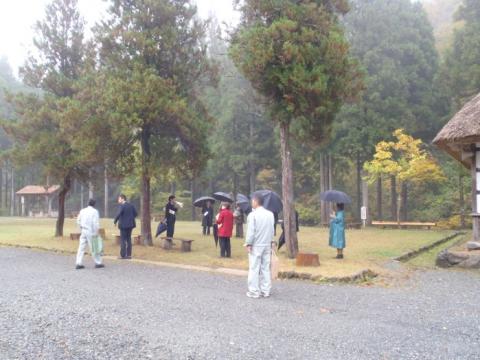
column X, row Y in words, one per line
column 339, row 257
column 128, row 258
column 122, row 258
column 79, row 267
column 99, row 266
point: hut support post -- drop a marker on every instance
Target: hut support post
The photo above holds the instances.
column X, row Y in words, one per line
column 476, row 192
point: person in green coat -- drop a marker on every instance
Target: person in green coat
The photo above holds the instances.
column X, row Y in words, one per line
column 337, row 230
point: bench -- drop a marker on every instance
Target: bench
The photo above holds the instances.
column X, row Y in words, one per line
column 137, row 240
column 168, row 244
column 75, row 236
column 404, row 224
column 353, row 226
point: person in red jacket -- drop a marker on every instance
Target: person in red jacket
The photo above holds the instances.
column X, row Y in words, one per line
column 225, row 229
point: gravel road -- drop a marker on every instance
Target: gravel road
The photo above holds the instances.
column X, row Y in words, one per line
column 48, row 310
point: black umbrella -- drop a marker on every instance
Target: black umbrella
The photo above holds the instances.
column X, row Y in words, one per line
column 271, row 200
column 335, row 196
column 223, row 196
column 201, row 202
column 244, row 202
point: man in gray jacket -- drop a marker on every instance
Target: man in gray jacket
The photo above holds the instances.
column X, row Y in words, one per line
column 260, row 223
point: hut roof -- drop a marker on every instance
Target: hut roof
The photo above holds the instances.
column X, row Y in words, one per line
column 38, row 190
column 461, row 131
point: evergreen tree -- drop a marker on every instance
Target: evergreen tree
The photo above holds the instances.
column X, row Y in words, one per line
column 461, row 70
column 155, row 54
column 47, row 124
column 295, row 54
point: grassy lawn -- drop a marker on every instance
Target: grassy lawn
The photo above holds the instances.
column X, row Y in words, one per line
column 366, row 249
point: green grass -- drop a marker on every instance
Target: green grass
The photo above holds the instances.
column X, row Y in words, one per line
column 427, row 259
column 368, row 248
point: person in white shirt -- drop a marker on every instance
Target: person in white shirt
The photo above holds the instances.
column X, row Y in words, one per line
column 89, row 222
column 260, row 228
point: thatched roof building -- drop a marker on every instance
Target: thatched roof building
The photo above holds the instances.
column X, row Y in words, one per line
column 458, row 135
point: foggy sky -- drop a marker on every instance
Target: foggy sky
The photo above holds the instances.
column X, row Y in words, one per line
column 17, row 18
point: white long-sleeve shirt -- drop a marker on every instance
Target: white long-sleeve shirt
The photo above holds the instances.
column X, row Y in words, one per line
column 89, row 220
column 260, row 227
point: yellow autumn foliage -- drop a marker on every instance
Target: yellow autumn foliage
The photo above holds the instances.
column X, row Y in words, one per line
column 404, row 158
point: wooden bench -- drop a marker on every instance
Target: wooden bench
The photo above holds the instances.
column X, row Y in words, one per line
column 168, row 244
column 75, row 236
column 354, row 226
column 404, row 224
column 102, row 233
column 137, row 240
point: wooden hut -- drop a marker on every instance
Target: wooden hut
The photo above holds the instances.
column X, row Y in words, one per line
column 460, row 138
column 36, row 200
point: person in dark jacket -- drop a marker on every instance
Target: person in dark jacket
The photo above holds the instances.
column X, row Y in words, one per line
column 171, row 215
column 225, row 229
column 207, row 218
column 126, row 223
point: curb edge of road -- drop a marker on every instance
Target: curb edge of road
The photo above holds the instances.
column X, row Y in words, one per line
column 414, row 253
column 361, row 276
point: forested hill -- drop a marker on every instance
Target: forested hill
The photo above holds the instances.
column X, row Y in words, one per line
column 441, row 14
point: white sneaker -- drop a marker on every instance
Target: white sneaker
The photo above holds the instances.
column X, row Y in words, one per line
column 265, row 295
column 252, row 295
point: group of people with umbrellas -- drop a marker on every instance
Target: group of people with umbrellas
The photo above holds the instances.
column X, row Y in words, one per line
column 222, row 224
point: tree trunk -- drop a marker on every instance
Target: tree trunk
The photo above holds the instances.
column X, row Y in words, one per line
column 393, row 190
column 6, row 189
column 173, row 188
column 475, row 209
column 91, row 186
column 399, row 207
column 106, row 194
column 325, row 184
column 379, row 199
column 251, row 163
column 359, row 188
column 146, row 212
column 365, row 200
column 291, row 239
column 82, row 200
column 67, row 183
column 404, row 201
column 463, row 224
column 1, row 187
column 12, row 193
column 192, row 190
column 323, row 204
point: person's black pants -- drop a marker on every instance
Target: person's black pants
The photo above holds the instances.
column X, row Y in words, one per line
column 126, row 242
column 206, row 230
column 225, row 249
column 170, row 228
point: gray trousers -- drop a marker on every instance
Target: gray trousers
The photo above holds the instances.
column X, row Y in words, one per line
column 259, row 276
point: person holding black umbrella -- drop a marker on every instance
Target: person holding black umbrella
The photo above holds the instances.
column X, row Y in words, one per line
column 171, row 214
column 207, row 218
column 337, row 230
